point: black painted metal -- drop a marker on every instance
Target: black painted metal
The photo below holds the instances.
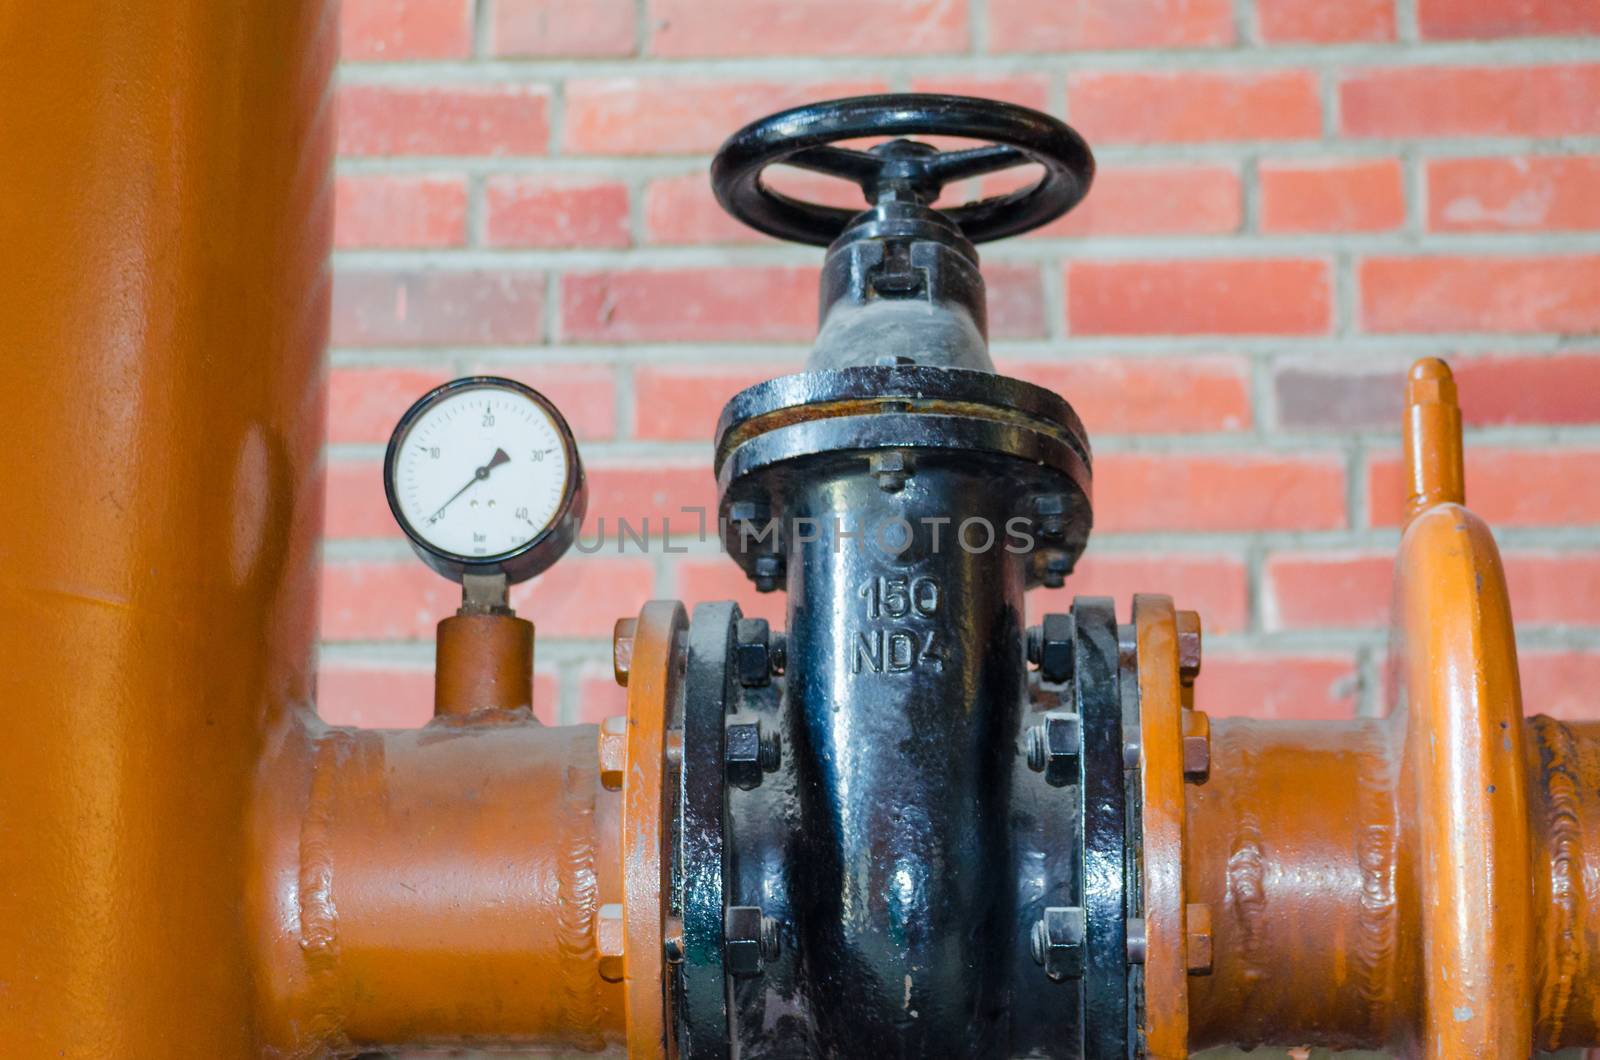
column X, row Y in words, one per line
column 1097, row 690
column 701, row 861
column 900, row 170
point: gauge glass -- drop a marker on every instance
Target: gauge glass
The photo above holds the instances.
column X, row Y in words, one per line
column 480, row 472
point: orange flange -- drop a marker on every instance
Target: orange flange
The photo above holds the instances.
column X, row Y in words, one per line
column 649, row 660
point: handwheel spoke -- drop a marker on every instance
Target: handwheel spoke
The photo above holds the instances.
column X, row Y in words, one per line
column 857, row 166
column 974, row 162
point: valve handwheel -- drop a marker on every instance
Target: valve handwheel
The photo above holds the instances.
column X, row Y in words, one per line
column 902, row 170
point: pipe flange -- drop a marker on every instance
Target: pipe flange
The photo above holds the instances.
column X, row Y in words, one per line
column 1098, row 693
column 700, row 991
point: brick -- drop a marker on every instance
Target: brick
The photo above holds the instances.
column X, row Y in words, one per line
column 683, row 210
column 409, row 307
column 398, row 211
column 1530, row 193
column 1471, row 101
column 690, row 304
column 1016, row 301
column 1216, row 586
column 1328, row 590
column 375, row 696
column 1319, row 22
column 364, row 404
column 599, row 695
column 663, row 116
column 1554, row 588
column 562, row 28
column 403, row 600
column 539, row 212
column 373, row 30
column 720, row 578
column 1333, row 196
column 1025, row 90
column 1146, row 200
column 1136, row 492
column 586, row 394
column 1194, row 106
column 1117, row 395
column 1199, row 297
column 1560, row 684
column 733, row 28
column 1287, row 687
column 681, row 403
column 354, row 503
column 1496, row 390
column 1501, row 294
column 1507, row 487
column 1100, row 25
column 651, row 497
column 458, row 120
column 1463, row 19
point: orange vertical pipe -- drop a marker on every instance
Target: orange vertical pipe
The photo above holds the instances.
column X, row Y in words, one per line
column 166, row 220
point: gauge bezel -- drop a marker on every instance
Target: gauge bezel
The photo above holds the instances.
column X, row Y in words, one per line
column 528, row 559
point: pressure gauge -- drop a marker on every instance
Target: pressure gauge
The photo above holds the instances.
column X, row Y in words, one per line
column 483, row 476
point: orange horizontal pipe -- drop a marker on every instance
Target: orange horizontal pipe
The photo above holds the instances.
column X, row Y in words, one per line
column 435, row 886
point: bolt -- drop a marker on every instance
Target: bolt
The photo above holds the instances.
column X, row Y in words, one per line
column 768, row 573
column 779, row 653
column 609, row 938
column 1188, row 646
column 753, row 652
column 749, row 756
column 1057, row 942
column 672, row 940
column 1054, row 747
column 622, row 648
column 1196, row 746
column 613, row 752
column 1055, row 570
column 1058, row 635
column 892, row 469
column 674, row 749
column 749, row 940
column 1137, row 944
column 1052, row 512
column 895, row 360
column 1197, row 939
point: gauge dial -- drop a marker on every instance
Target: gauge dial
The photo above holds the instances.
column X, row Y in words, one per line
column 483, row 476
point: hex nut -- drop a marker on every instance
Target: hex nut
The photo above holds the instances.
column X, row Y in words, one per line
column 1188, row 646
column 1197, row 938
column 749, row 756
column 768, row 573
column 613, row 752
column 752, row 651
column 1057, row 942
column 1052, row 511
column 1054, row 748
column 609, row 941
column 892, row 468
column 1196, row 746
column 622, row 648
column 1058, row 635
column 672, row 940
column 749, row 940
column 1057, row 567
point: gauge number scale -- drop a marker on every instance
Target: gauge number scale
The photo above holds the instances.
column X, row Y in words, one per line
column 477, row 472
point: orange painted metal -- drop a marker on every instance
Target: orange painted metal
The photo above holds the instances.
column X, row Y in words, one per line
column 1420, row 882
column 1166, row 1014
column 166, row 168
column 483, row 662
column 654, row 650
column 438, row 886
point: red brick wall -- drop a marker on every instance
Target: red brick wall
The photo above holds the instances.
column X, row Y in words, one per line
column 1296, row 198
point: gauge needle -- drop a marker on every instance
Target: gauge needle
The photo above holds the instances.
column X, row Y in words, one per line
column 479, row 475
